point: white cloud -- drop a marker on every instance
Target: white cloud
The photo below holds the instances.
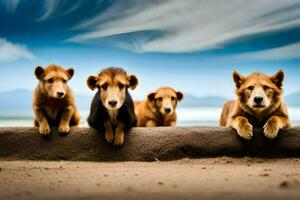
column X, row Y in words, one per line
column 190, row 25
column 50, row 8
column 56, row 8
column 11, row 51
column 291, row 51
column 10, row 5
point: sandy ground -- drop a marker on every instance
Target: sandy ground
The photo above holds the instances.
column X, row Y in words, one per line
column 214, row 178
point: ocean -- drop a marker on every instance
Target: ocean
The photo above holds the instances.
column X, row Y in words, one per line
column 196, row 116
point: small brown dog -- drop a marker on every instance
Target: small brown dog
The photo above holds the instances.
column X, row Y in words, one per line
column 112, row 108
column 159, row 108
column 259, row 104
column 53, row 101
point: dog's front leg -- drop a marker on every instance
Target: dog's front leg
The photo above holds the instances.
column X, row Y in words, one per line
column 274, row 124
column 173, row 123
column 40, row 117
column 242, row 126
column 119, row 136
column 64, row 125
column 150, row 123
column 109, row 133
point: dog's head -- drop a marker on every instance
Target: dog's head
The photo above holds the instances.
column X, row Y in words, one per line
column 112, row 84
column 259, row 92
column 165, row 100
column 53, row 80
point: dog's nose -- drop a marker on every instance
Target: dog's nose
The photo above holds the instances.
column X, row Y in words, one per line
column 167, row 110
column 60, row 94
column 112, row 103
column 258, row 99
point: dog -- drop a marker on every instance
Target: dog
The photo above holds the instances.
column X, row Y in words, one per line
column 259, row 104
column 53, row 100
column 112, row 108
column 159, row 108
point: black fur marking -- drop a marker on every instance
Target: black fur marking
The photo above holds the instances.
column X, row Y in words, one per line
column 98, row 113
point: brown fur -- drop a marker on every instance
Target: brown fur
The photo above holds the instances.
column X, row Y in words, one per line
column 113, row 83
column 53, row 101
column 150, row 112
column 244, row 113
column 112, row 109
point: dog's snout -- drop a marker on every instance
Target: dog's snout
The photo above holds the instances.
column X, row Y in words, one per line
column 60, row 94
column 112, row 103
column 258, row 99
column 167, row 110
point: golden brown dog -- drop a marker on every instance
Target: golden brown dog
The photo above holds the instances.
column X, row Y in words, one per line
column 258, row 104
column 112, row 109
column 53, row 101
column 159, row 108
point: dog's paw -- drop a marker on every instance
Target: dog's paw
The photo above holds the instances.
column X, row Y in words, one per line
column 245, row 130
column 271, row 128
column 44, row 130
column 173, row 124
column 119, row 139
column 64, row 129
column 109, row 136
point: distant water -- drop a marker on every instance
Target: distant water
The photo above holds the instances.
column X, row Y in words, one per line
column 199, row 116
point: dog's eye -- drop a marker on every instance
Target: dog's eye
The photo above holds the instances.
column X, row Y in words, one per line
column 104, row 86
column 266, row 88
column 250, row 88
column 121, row 86
column 64, row 81
column 50, row 80
column 159, row 99
column 173, row 98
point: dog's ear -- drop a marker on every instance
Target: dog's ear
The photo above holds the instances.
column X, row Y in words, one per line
column 151, row 96
column 39, row 72
column 133, row 81
column 70, row 72
column 277, row 78
column 238, row 79
column 92, row 82
column 179, row 96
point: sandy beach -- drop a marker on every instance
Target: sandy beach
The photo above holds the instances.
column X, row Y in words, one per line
column 209, row 178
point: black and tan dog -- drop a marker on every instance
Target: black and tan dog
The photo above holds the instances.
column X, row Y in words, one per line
column 112, row 109
column 53, row 101
column 159, row 108
column 259, row 104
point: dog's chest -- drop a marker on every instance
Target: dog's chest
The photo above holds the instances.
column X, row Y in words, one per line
column 165, row 120
column 113, row 114
column 52, row 112
column 256, row 122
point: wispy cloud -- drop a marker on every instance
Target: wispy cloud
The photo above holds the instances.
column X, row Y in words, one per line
column 191, row 25
column 11, row 51
column 10, row 5
column 291, row 51
column 57, row 8
column 50, row 8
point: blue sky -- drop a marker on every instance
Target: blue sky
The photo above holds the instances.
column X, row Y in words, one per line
column 190, row 45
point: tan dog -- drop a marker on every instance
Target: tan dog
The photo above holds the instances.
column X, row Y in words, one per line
column 258, row 104
column 159, row 108
column 112, row 109
column 53, row 101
